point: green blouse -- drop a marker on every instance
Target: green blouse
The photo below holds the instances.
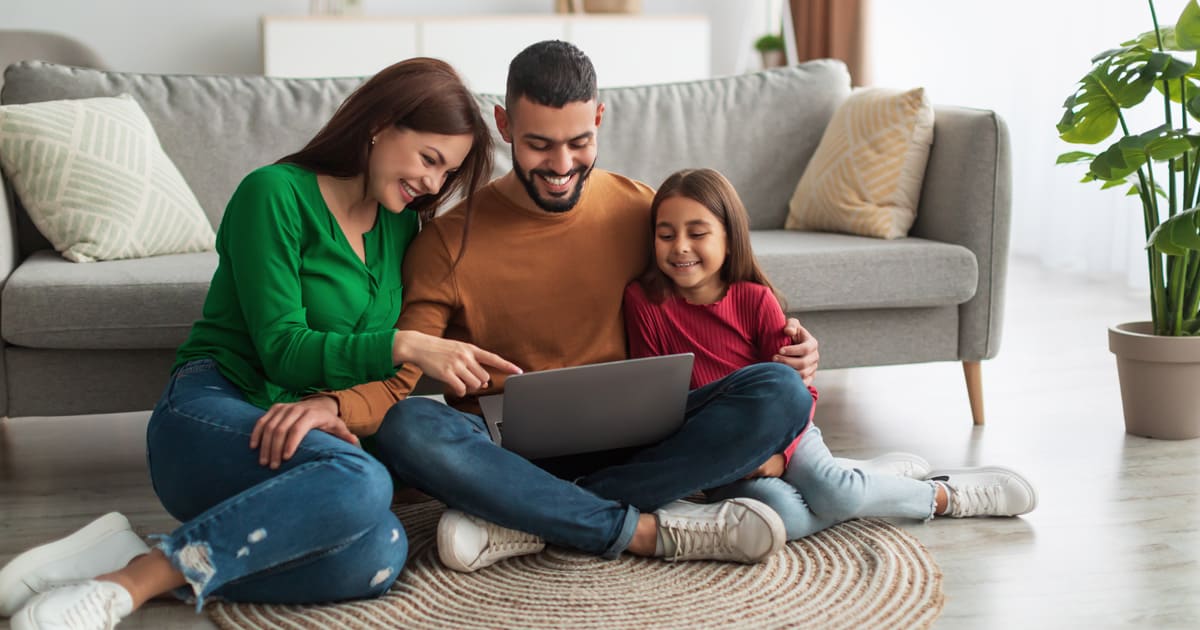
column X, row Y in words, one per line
column 291, row 308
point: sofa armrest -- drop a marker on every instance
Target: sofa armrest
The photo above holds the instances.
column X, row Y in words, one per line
column 9, row 246
column 9, row 256
column 966, row 198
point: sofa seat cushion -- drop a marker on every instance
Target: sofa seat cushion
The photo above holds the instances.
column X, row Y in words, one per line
column 49, row 302
column 819, row 271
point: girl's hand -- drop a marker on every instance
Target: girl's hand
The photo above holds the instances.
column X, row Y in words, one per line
column 773, row 467
column 457, row 364
column 278, row 432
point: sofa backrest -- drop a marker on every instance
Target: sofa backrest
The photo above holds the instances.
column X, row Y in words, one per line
column 758, row 129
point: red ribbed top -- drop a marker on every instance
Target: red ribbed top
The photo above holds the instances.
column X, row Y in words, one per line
column 742, row 328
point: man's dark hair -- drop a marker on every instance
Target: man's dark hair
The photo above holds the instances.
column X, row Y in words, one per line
column 551, row 73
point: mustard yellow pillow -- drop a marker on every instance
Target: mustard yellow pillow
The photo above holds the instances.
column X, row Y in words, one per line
column 865, row 176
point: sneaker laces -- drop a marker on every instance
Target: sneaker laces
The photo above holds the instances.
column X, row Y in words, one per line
column 503, row 539
column 96, row 605
column 975, row 500
column 692, row 537
column 907, row 468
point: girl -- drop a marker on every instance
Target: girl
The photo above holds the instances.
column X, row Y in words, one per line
column 278, row 503
column 705, row 293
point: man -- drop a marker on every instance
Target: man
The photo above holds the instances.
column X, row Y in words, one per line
column 551, row 247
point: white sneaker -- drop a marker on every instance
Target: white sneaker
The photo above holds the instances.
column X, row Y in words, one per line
column 898, row 464
column 86, row 606
column 102, row 546
column 737, row 530
column 986, row 491
column 467, row 543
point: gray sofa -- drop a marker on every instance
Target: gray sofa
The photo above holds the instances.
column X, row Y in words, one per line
column 100, row 337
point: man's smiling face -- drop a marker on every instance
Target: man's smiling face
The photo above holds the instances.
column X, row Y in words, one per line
column 553, row 149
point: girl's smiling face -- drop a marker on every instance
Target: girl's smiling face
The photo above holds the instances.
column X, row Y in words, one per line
column 690, row 246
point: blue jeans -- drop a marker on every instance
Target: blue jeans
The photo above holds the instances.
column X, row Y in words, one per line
column 732, row 426
column 316, row 529
column 815, row 492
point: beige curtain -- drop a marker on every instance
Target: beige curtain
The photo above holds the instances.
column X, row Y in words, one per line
column 830, row 29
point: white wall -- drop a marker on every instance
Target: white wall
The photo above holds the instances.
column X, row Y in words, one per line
column 1022, row 58
column 173, row 36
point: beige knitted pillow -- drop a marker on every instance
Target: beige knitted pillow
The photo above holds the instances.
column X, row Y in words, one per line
column 95, row 181
column 865, row 176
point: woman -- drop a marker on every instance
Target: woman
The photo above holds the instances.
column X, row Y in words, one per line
column 283, row 506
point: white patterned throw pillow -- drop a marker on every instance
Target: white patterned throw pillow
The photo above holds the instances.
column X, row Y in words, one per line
column 95, row 181
column 865, row 176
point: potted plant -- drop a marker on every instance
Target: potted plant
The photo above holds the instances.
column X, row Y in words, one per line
column 1158, row 362
column 770, row 46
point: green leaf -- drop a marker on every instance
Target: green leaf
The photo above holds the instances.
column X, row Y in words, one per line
column 1113, row 84
column 1168, row 66
column 1193, row 88
column 1136, row 189
column 1071, row 157
column 1121, row 159
column 1114, row 183
column 1148, row 41
column 1130, row 153
column 1117, row 52
column 1167, row 148
column 1193, row 105
column 1177, row 235
column 1187, row 27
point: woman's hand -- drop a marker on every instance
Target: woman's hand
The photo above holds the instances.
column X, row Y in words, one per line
column 278, row 432
column 773, row 467
column 457, row 364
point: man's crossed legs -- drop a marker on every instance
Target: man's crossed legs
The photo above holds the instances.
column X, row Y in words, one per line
column 504, row 505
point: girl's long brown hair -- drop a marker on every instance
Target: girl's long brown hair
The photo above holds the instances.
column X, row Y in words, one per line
column 420, row 94
column 711, row 190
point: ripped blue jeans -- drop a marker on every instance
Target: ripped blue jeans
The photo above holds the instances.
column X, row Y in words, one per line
column 317, row 529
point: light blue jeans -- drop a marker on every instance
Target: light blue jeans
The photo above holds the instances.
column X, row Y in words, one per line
column 733, row 425
column 316, row 529
column 815, row 492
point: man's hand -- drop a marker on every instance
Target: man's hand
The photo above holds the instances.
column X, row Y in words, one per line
column 801, row 356
column 773, row 467
column 279, row 431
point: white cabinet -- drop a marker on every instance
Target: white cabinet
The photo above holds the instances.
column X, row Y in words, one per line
column 626, row 50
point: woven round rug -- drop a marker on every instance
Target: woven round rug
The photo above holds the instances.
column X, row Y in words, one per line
column 861, row 574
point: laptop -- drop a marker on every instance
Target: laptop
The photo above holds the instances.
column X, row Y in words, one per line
column 588, row 408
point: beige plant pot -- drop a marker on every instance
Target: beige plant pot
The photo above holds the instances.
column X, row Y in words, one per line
column 1160, row 381
column 773, row 58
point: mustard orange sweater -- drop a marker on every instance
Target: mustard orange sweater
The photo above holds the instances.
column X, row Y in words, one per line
column 540, row 289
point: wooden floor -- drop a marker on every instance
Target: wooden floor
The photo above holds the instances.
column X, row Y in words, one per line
column 1114, row 543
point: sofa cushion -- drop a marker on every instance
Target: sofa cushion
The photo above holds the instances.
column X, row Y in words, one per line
column 49, row 302
column 96, row 182
column 818, row 271
column 865, row 177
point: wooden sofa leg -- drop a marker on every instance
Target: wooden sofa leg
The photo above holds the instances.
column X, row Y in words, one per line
column 973, row 372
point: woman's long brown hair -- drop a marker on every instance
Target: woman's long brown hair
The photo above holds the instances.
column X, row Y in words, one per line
column 420, row 94
column 711, row 190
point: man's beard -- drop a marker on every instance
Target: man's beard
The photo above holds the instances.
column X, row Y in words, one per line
column 556, row 204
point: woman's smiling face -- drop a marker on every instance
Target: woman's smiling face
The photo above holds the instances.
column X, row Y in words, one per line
column 406, row 164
